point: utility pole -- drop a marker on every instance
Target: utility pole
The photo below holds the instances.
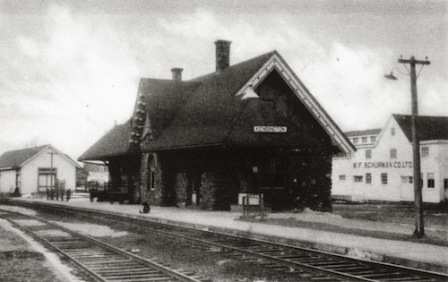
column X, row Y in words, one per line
column 51, row 169
column 418, row 200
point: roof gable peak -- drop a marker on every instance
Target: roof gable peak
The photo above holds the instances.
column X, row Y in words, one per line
column 278, row 64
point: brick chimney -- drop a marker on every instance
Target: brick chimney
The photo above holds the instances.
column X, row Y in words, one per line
column 222, row 54
column 177, row 74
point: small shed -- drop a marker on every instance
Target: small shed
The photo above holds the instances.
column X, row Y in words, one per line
column 34, row 170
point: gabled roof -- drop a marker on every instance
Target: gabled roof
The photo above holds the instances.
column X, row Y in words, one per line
column 114, row 143
column 208, row 115
column 164, row 99
column 13, row 159
column 209, row 110
column 17, row 158
column 213, row 113
column 428, row 127
column 375, row 131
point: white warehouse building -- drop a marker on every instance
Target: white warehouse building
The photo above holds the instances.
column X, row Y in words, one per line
column 382, row 167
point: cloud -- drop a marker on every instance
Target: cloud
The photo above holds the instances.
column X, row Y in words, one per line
column 347, row 80
column 68, row 83
column 68, row 80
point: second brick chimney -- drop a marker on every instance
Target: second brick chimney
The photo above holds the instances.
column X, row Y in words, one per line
column 222, row 54
column 177, row 74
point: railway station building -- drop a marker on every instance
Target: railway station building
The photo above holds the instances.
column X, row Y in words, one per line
column 36, row 169
column 252, row 127
column 382, row 167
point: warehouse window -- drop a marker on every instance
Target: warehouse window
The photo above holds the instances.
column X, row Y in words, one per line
column 364, row 139
column 372, row 139
column 357, row 178
column 445, row 183
column 355, row 140
column 368, row 154
column 383, row 178
column 392, row 131
column 407, row 179
column 404, row 179
column 393, row 153
column 342, row 177
column 368, row 178
column 431, row 182
column 425, row 151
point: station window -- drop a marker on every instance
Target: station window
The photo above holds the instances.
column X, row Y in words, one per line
column 425, row 151
column 152, row 173
column 372, row 139
column 364, row 139
column 392, row 131
column 368, row 154
column 272, row 173
column 383, row 178
column 342, row 177
column 368, row 178
column 393, row 153
column 355, row 140
column 431, row 181
column 357, row 178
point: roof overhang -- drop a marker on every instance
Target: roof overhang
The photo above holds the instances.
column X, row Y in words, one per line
column 276, row 62
column 7, row 168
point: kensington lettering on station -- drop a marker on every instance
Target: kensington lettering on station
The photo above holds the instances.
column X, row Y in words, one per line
column 398, row 164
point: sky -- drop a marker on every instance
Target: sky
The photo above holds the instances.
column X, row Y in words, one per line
column 69, row 70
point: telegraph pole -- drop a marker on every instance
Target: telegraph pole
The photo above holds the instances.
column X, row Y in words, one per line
column 418, row 200
column 51, row 169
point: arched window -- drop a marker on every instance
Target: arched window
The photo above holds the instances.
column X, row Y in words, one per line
column 152, row 173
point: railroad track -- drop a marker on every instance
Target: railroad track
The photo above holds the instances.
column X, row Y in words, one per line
column 100, row 261
column 318, row 265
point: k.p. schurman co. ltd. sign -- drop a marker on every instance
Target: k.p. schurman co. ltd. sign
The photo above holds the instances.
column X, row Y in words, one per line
column 271, row 129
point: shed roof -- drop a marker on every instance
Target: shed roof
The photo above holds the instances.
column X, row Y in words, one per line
column 428, row 127
column 13, row 159
column 17, row 158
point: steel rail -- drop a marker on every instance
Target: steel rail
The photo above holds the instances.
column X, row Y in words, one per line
column 95, row 274
column 365, row 270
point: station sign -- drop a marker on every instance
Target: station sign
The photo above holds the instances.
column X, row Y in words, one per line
column 397, row 164
column 271, row 129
